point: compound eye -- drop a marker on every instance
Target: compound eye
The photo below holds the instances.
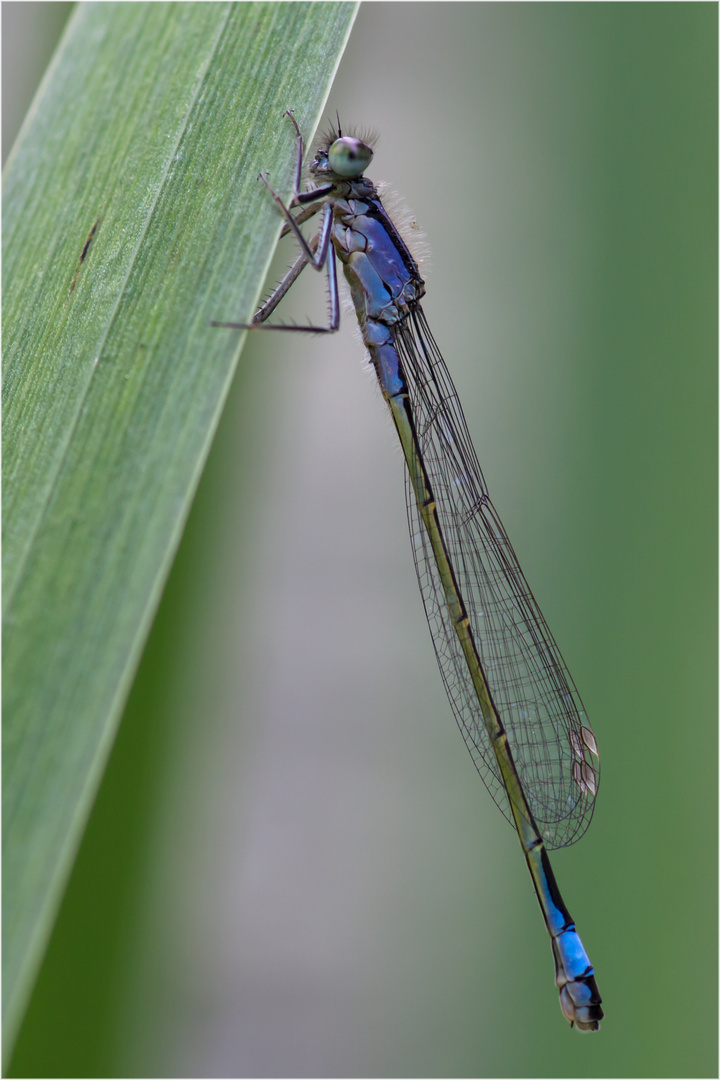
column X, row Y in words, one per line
column 349, row 157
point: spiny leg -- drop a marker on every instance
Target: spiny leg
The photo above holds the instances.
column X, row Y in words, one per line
column 315, row 259
column 274, row 299
column 281, row 289
column 304, row 215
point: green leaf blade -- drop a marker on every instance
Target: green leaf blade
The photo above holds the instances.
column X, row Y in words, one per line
column 149, row 129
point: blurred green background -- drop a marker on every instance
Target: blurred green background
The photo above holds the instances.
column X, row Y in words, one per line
column 292, row 868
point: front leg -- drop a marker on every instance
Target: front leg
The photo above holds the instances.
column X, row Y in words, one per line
column 301, row 197
column 315, row 253
column 312, row 200
column 299, row 154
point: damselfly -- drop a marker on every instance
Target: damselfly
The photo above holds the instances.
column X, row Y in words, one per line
column 513, row 698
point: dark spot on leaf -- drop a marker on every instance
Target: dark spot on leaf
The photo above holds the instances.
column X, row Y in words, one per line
column 83, row 254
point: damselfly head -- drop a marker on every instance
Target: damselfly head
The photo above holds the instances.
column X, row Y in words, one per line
column 345, row 156
column 349, row 156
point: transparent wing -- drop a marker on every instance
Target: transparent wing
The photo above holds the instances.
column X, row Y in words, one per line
column 552, row 743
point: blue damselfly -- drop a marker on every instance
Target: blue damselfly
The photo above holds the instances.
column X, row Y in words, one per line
column 513, row 698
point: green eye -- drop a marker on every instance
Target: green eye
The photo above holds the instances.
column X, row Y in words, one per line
column 349, row 157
